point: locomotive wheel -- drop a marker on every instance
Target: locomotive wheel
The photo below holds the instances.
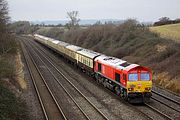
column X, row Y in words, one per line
column 117, row 90
column 125, row 95
column 105, row 83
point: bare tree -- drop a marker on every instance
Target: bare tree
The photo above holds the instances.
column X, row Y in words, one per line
column 74, row 20
column 7, row 43
column 164, row 19
column 4, row 18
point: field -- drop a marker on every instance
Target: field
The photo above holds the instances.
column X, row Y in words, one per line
column 168, row 31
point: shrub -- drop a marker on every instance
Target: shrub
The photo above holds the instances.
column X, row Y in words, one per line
column 12, row 108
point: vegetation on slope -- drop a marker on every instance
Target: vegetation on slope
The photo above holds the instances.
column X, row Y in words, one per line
column 11, row 106
column 168, row 31
column 135, row 43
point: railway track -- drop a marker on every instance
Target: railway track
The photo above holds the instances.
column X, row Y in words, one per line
column 90, row 111
column 50, row 107
column 171, row 107
column 159, row 112
column 166, row 104
column 166, row 97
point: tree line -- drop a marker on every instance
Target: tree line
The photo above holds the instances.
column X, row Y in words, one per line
column 166, row 21
column 7, row 42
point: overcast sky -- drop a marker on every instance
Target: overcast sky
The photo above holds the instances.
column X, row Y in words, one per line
column 142, row 10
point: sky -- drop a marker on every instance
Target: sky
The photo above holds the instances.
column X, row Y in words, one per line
column 142, row 10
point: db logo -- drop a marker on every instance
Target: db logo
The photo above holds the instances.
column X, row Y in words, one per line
column 132, row 86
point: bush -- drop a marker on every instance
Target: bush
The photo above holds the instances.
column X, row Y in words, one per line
column 6, row 69
column 8, row 44
column 12, row 108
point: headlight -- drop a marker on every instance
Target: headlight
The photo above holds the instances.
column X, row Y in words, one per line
column 148, row 88
column 130, row 89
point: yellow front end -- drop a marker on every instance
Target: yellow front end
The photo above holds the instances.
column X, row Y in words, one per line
column 139, row 86
column 139, row 91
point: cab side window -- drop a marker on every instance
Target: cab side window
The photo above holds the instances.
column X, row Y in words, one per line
column 99, row 67
column 117, row 77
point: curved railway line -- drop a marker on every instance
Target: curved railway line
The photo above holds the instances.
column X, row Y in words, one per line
column 92, row 112
column 164, row 115
column 46, row 99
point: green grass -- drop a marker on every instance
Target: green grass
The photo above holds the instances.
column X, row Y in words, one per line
column 168, row 31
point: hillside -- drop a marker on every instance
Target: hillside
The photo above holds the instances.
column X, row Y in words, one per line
column 132, row 42
column 82, row 22
column 171, row 31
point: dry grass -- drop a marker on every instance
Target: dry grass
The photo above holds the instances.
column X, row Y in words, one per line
column 163, row 79
column 12, row 106
column 19, row 72
column 168, row 31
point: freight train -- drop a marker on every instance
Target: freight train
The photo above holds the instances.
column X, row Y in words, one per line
column 132, row 82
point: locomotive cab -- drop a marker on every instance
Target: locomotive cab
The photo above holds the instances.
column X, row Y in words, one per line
column 139, row 84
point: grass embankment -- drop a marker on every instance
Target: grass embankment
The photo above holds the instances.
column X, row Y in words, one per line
column 132, row 42
column 12, row 107
column 171, row 31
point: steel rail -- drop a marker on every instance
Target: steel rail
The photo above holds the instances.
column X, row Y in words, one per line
column 166, row 97
column 35, row 86
column 164, row 104
column 64, row 88
column 49, row 90
column 161, row 113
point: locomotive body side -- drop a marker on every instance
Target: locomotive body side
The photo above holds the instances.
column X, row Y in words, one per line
column 106, row 73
